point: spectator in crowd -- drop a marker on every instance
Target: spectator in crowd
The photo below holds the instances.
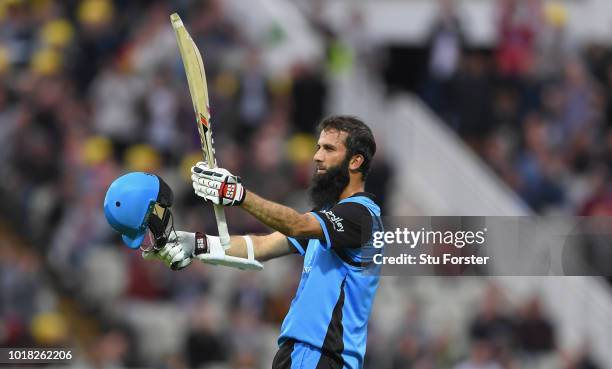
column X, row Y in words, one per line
column 492, row 326
column 519, row 25
column 481, row 357
column 446, row 42
column 253, row 98
column 552, row 43
column 206, row 341
column 87, row 93
column 470, row 92
column 535, row 333
column 411, row 341
column 308, row 97
column 577, row 360
column 539, row 167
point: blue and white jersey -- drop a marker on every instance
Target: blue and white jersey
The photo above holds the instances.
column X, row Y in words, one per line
column 334, row 299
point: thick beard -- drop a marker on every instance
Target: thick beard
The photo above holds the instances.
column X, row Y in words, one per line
column 326, row 188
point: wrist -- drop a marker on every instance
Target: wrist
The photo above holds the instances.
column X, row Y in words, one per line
column 207, row 245
column 243, row 197
column 232, row 192
column 201, row 244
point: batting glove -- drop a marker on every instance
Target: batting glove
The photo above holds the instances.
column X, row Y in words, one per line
column 177, row 252
column 214, row 253
column 180, row 251
column 217, row 185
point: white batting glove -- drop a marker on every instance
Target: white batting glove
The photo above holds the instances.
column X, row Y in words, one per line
column 217, row 185
column 211, row 251
column 180, row 251
column 176, row 253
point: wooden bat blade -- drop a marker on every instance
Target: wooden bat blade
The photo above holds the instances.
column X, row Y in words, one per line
column 196, row 79
column 194, row 69
column 198, row 88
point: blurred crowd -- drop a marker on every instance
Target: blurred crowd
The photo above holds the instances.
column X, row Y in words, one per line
column 91, row 89
column 496, row 333
column 537, row 107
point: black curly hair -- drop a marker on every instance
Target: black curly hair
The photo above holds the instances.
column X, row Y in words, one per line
column 359, row 141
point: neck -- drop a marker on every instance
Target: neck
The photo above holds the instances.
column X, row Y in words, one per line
column 352, row 188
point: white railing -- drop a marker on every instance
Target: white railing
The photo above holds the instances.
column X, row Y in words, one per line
column 433, row 164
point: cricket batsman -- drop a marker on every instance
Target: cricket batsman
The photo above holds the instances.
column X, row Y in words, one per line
column 326, row 326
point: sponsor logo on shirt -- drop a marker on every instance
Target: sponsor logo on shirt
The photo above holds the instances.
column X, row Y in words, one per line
column 335, row 220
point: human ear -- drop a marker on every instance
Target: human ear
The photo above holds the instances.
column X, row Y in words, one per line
column 356, row 162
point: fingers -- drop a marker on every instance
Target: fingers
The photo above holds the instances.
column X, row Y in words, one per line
column 178, row 265
column 176, row 253
column 205, row 191
column 200, row 166
column 164, row 251
column 213, row 199
column 203, row 171
column 173, row 255
column 173, row 238
column 149, row 255
column 234, row 179
column 210, row 175
column 208, row 184
column 169, row 251
column 195, row 178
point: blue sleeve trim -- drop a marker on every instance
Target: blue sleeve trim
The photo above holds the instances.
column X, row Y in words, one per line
column 327, row 243
column 366, row 202
column 297, row 245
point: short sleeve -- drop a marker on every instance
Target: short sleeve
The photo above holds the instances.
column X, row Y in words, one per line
column 343, row 225
column 300, row 244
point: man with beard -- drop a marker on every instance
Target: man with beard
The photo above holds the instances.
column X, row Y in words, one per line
column 326, row 326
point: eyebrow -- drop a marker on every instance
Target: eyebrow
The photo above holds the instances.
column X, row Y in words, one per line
column 327, row 146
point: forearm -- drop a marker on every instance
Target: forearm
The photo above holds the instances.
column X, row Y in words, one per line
column 221, row 187
column 280, row 218
column 264, row 247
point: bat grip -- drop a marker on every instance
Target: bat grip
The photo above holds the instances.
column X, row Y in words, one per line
column 222, row 226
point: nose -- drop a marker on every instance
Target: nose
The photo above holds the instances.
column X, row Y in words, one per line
column 318, row 157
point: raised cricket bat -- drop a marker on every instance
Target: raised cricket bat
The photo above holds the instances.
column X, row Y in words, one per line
column 196, row 78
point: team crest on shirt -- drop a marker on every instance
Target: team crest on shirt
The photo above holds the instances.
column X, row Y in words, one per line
column 335, row 220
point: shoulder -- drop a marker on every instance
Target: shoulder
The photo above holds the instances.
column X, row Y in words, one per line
column 350, row 210
column 344, row 223
column 347, row 210
column 356, row 205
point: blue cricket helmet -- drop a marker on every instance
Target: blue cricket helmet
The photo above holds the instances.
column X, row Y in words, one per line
column 129, row 202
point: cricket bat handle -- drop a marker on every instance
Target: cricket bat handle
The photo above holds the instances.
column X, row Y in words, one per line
column 222, row 226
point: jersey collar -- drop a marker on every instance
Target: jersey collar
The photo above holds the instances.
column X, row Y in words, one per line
column 369, row 195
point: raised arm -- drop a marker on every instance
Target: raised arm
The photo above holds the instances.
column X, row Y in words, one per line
column 221, row 187
column 282, row 218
